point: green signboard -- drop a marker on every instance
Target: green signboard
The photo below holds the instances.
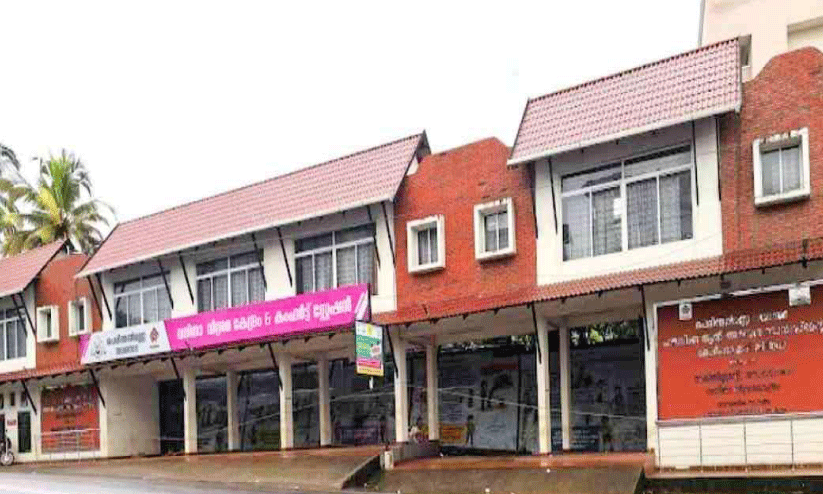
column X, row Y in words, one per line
column 369, row 342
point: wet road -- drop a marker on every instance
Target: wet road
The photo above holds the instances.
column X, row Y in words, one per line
column 36, row 483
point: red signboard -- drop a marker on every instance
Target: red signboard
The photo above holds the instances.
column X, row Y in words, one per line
column 743, row 355
column 70, row 419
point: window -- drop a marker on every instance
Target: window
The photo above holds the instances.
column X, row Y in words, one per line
column 426, row 244
column 230, row 281
column 781, row 168
column 141, row 300
column 494, row 229
column 48, row 324
column 12, row 396
column 24, row 432
column 13, row 336
column 344, row 257
column 79, row 317
column 657, row 209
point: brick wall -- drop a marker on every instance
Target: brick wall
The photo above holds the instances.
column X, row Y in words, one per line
column 56, row 285
column 787, row 95
column 451, row 184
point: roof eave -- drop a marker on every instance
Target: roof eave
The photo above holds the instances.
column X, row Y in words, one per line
column 623, row 134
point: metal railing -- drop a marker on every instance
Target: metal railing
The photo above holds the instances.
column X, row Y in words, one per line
column 71, row 444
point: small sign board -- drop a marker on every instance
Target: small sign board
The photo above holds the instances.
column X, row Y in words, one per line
column 368, row 341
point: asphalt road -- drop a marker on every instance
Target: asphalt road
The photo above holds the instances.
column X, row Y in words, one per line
column 36, row 483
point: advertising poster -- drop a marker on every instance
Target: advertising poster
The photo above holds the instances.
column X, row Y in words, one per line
column 369, row 344
column 70, row 419
column 123, row 343
column 753, row 354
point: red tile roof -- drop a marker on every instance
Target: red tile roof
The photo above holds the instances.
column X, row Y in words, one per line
column 362, row 178
column 678, row 89
column 729, row 263
column 20, row 270
column 42, row 371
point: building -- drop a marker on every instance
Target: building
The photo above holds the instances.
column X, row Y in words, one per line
column 48, row 401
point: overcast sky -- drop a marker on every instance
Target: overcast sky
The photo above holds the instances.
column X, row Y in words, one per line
column 168, row 102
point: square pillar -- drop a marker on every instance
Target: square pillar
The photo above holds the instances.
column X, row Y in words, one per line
column 565, row 389
column 284, row 362
column 189, row 410
column 232, row 411
column 324, row 401
column 401, row 389
column 432, row 391
column 544, row 415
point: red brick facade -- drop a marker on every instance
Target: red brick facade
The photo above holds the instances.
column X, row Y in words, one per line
column 56, row 285
column 451, row 183
column 786, row 95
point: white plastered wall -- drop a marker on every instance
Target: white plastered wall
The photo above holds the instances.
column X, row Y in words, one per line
column 707, row 238
column 29, row 361
column 130, row 421
column 775, row 26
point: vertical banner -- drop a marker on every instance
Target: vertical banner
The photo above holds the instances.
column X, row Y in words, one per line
column 369, row 343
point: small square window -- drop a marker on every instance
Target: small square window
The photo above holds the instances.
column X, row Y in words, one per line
column 781, row 168
column 494, row 229
column 79, row 317
column 11, row 399
column 426, row 244
column 48, row 324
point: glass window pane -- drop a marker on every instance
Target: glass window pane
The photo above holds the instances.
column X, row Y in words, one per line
column 346, row 266
column 576, row 227
column 163, row 305
column 121, row 316
column 423, row 247
column 490, row 232
column 212, row 266
column 220, row 291
column 22, row 338
column 204, row 295
column 312, row 243
column 792, row 175
column 150, row 281
column 676, row 207
column 128, row 286
column 2, row 343
column 607, row 230
column 503, row 229
column 365, row 263
column 323, row 271
column 245, row 259
column 770, row 172
column 135, row 315
column 356, row 233
column 80, row 315
column 257, row 292
column 150, row 305
column 642, row 213
column 602, row 175
column 239, row 289
column 11, row 339
column 661, row 160
column 305, row 275
column 433, row 239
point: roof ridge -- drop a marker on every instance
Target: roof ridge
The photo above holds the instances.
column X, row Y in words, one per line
column 629, row 71
column 276, row 177
column 463, row 146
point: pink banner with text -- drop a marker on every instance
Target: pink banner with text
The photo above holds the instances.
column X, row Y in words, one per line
column 301, row 314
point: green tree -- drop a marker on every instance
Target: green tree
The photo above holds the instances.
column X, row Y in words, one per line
column 60, row 206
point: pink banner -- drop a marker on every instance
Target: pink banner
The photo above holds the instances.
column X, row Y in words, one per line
column 300, row 314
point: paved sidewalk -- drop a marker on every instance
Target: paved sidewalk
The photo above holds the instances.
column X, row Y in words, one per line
column 325, row 469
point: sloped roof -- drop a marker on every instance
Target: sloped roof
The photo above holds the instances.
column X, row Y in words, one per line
column 20, row 270
column 729, row 263
column 678, row 89
column 362, row 178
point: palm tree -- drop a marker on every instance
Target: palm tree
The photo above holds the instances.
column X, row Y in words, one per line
column 11, row 221
column 60, row 206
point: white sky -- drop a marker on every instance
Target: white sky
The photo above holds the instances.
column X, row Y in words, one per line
column 168, row 102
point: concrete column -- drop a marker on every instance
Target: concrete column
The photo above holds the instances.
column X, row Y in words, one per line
column 284, row 362
column 190, row 410
column 232, row 411
column 401, row 389
column 544, row 416
column 565, row 389
column 432, row 394
column 324, row 401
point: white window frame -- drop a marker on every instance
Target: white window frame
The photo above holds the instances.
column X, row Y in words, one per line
column 229, row 271
column 73, row 308
column 48, row 333
column 412, row 228
column 141, row 291
column 762, row 145
column 333, row 248
column 622, row 184
column 480, row 212
column 4, row 322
